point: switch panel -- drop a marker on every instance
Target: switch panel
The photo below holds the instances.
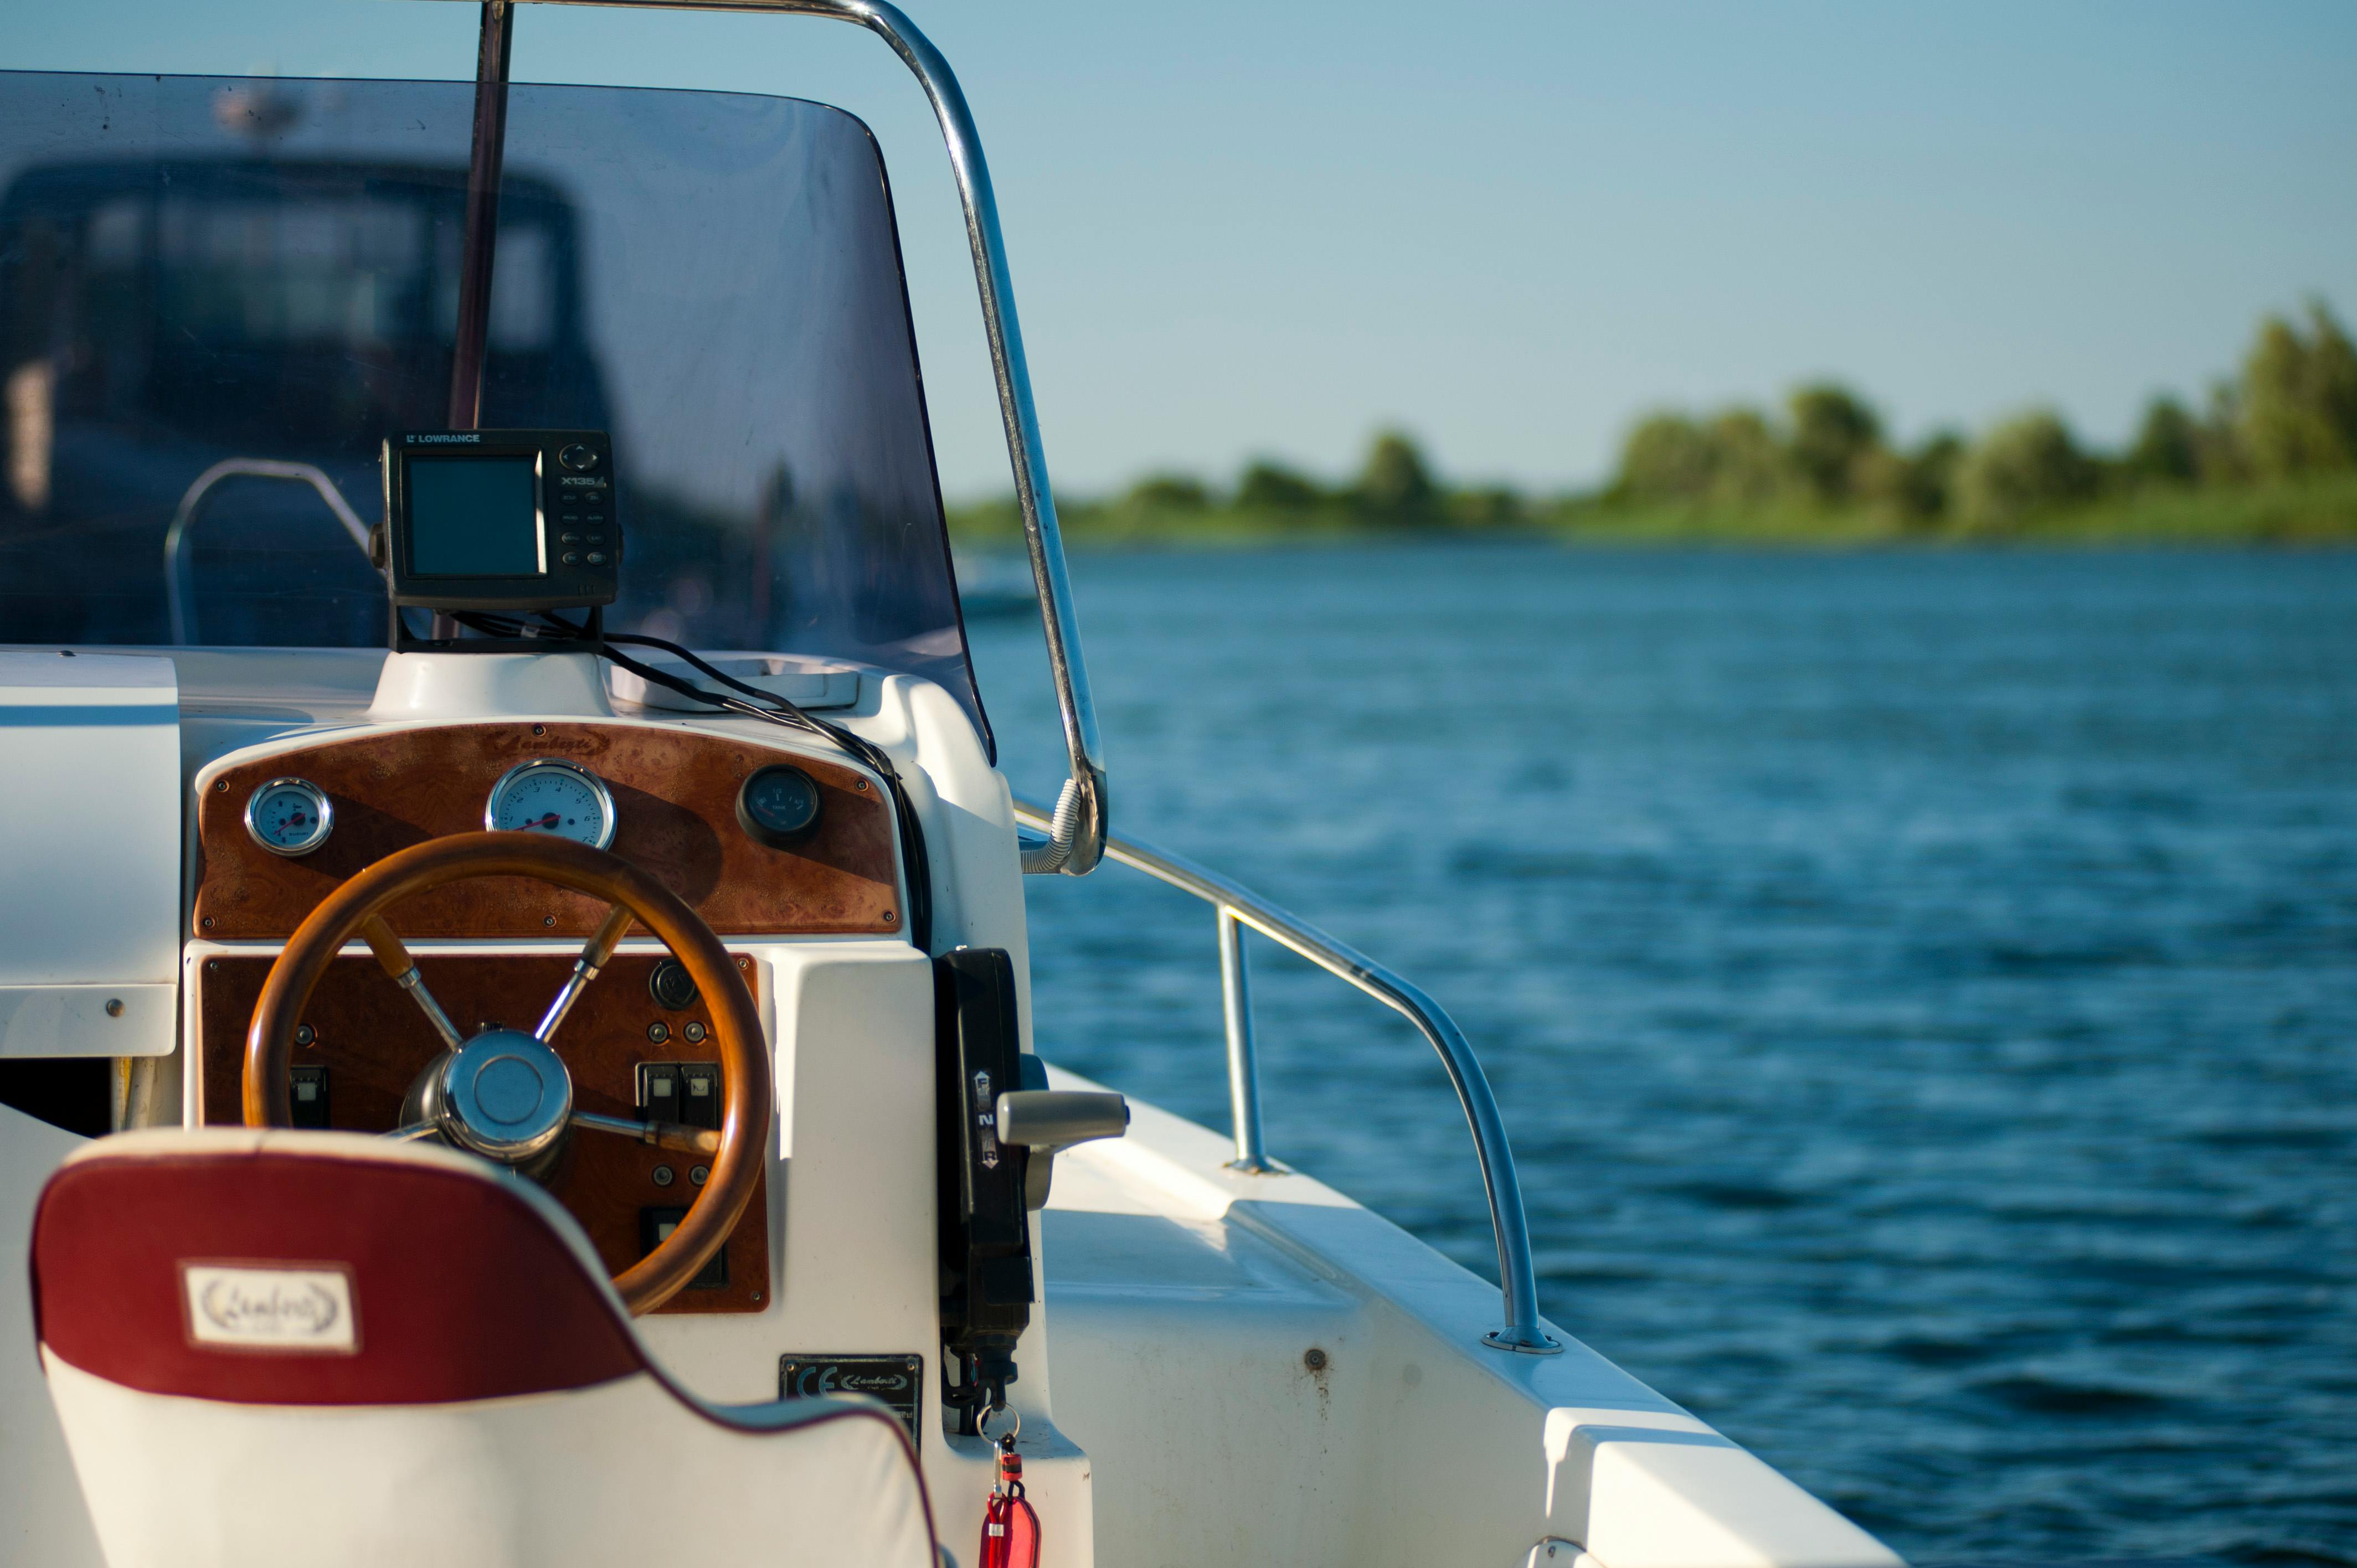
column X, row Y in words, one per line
column 685, row 1092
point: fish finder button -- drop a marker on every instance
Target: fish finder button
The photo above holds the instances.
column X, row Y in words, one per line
column 578, row 458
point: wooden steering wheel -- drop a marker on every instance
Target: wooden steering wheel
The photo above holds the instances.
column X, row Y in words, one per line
column 505, row 1094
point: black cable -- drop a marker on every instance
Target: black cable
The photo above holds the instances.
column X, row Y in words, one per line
column 785, row 714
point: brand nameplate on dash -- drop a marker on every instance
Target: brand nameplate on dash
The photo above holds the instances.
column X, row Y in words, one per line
column 242, row 1308
column 896, row 1381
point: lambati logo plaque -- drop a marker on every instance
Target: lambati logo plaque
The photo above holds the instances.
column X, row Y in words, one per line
column 244, row 1307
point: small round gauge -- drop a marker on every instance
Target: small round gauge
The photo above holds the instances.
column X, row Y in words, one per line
column 289, row 816
column 545, row 796
column 778, row 806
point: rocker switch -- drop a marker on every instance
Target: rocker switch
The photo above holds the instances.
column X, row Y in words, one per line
column 659, row 1092
column 699, row 1094
column 307, row 1093
column 655, row 1226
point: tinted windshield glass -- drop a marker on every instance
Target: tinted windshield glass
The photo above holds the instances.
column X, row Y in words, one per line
column 197, row 269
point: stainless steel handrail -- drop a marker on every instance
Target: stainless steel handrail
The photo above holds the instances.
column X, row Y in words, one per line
column 1239, row 906
column 1243, row 1056
column 1077, row 831
column 179, row 587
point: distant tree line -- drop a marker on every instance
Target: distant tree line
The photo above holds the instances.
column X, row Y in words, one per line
column 1395, row 487
column 1824, row 465
column 2292, row 413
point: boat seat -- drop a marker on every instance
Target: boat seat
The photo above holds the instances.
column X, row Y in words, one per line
column 276, row 1347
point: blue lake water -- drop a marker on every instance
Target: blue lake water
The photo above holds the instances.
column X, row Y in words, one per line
column 1922, row 987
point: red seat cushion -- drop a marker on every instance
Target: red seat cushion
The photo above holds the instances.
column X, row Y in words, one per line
column 460, row 1286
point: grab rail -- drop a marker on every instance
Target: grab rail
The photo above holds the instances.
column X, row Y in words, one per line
column 1238, row 907
column 1077, row 830
column 179, row 585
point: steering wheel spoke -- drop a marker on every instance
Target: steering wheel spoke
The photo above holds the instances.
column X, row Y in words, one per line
column 594, row 957
column 394, row 957
column 676, row 1136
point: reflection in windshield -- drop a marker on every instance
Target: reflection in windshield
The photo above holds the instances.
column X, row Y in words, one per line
column 195, row 269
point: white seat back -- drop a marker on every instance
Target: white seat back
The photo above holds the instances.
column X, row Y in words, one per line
column 295, row 1349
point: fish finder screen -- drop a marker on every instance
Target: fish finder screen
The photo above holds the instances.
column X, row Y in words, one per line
column 475, row 517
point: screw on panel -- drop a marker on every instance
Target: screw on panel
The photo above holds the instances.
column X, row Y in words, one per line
column 1314, row 1359
column 115, row 1006
column 548, row 920
column 658, row 1032
column 662, row 1176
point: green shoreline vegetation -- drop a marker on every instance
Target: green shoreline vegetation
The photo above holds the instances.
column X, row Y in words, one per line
column 2270, row 459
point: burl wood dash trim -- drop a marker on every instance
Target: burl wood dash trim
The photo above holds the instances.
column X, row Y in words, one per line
column 374, row 1041
column 676, row 817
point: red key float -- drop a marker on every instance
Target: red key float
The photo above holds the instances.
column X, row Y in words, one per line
column 1010, row 1530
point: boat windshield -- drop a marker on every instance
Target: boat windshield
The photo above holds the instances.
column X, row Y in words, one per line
column 194, row 270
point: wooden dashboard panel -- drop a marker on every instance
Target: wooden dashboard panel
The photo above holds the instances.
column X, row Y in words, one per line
column 374, row 1041
column 675, row 815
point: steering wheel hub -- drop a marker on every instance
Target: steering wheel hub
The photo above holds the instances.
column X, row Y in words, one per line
column 504, row 1095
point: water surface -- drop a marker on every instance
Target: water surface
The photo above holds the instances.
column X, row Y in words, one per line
column 1920, row 986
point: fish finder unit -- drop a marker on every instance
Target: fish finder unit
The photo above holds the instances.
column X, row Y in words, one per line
column 501, row 520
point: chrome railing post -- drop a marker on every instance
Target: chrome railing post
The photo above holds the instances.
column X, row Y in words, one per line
column 1244, row 1063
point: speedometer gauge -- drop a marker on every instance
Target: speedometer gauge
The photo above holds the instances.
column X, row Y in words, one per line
column 289, row 816
column 545, row 796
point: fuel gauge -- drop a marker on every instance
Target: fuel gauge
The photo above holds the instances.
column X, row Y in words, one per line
column 289, row 816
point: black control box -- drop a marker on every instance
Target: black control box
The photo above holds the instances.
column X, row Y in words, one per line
column 501, row 520
column 987, row 1284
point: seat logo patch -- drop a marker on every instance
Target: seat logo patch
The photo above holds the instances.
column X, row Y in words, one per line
column 238, row 1306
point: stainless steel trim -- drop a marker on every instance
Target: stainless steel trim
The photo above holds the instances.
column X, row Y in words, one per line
column 597, row 787
column 1087, row 825
column 323, row 808
column 1517, row 1279
column 179, row 591
column 1244, row 1059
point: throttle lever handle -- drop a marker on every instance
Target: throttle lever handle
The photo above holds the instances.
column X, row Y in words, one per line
column 1047, row 1120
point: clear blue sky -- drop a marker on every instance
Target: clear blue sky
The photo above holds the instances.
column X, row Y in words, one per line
column 1273, row 227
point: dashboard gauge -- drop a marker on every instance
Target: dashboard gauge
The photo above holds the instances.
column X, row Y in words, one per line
column 778, row 806
column 545, row 796
column 289, row 816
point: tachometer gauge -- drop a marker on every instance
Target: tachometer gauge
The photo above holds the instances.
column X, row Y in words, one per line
column 545, row 796
column 289, row 816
